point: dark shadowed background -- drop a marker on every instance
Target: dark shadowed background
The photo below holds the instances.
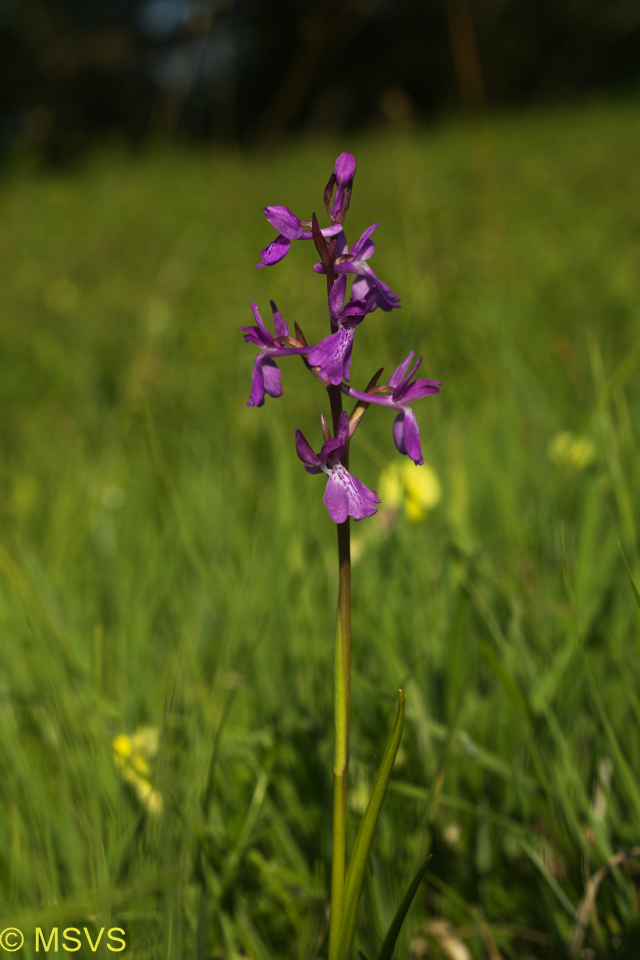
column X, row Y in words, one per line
column 252, row 70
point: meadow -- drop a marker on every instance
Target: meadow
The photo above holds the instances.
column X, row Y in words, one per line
column 167, row 568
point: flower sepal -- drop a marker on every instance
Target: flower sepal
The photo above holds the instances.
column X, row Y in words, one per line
column 266, row 377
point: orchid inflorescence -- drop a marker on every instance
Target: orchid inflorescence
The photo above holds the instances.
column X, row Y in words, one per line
column 330, row 359
column 345, row 496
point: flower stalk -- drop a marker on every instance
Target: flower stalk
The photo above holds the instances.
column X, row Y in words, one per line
column 345, row 496
column 342, row 720
column 342, row 656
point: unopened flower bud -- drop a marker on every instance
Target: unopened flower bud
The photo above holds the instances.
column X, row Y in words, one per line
column 345, row 169
column 343, row 174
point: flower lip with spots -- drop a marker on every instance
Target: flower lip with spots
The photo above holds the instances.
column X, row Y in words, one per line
column 397, row 395
column 345, row 495
column 266, row 373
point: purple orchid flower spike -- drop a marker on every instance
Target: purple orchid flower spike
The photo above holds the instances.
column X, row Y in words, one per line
column 397, row 395
column 333, row 354
column 266, row 373
column 289, row 228
column 355, row 261
column 345, row 495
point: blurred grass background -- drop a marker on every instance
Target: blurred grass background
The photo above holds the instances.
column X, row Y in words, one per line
column 166, row 562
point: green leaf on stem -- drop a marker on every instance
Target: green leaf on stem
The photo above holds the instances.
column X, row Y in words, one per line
column 360, row 855
column 387, row 948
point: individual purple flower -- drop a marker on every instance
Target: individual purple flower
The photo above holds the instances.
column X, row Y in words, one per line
column 289, row 228
column 333, row 354
column 397, row 395
column 345, row 495
column 355, row 261
column 266, row 374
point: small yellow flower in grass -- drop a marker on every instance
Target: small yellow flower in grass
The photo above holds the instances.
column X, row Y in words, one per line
column 122, row 749
column 132, row 755
column 566, row 449
column 145, row 741
column 416, row 488
column 423, row 491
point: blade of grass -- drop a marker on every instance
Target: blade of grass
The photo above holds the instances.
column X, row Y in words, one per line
column 388, row 946
column 630, row 575
column 627, row 778
column 561, row 896
column 507, row 681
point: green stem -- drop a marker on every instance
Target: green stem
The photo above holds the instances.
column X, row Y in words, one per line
column 342, row 681
column 342, row 707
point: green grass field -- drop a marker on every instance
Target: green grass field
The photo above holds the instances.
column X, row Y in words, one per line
column 165, row 561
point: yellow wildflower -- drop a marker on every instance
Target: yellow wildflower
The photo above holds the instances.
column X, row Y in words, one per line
column 567, row 449
column 417, row 489
column 132, row 755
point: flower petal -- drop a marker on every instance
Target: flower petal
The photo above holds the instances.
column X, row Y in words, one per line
column 341, row 245
column 346, row 496
column 274, row 252
column 331, row 231
column 407, row 435
column 359, row 267
column 331, row 450
column 258, row 334
column 254, row 335
column 356, row 310
column 361, row 287
column 420, row 388
column 264, row 381
column 333, row 355
column 400, row 372
column 336, row 298
column 343, row 427
column 287, row 351
column 258, row 318
column 256, row 398
column 284, row 221
column 380, row 398
column 387, row 299
column 362, row 249
column 272, row 377
column 305, row 452
column 279, row 324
